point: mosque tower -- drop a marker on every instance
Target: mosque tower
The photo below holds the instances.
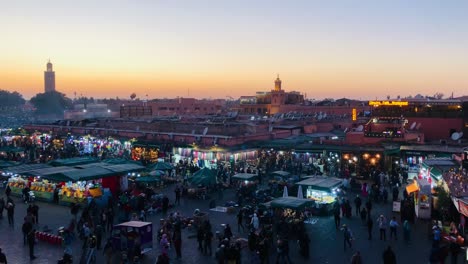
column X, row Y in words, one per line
column 49, row 78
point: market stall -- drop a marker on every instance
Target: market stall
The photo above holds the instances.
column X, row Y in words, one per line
column 291, row 210
column 422, row 197
column 322, row 190
column 246, row 184
column 202, row 182
column 17, row 178
column 129, row 234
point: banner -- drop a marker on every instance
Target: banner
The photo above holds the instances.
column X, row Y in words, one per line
column 463, row 208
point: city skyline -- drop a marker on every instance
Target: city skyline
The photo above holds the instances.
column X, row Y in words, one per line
column 204, row 49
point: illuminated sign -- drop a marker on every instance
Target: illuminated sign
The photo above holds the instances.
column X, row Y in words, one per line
column 388, row 103
column 354, row 114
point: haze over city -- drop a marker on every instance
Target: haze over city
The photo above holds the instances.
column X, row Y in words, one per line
column 221, row 48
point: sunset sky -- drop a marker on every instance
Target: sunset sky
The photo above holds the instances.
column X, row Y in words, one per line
column 360, row 49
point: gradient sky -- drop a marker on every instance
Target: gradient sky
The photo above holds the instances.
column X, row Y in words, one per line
column 360, row 49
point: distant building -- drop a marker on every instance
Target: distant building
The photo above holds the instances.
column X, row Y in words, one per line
column 187, row 106
column 272, row 102
column 135, row 111
column 49, row 79
column 87, row 111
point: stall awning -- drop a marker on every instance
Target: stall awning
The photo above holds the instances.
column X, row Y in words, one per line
column 291, row 203
column 413, row 187
column 281, row 173
column 321, row 183
column 87, row 174
column 73, row 161
column 245, row 177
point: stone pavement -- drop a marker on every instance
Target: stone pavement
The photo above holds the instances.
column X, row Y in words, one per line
column 326, row 241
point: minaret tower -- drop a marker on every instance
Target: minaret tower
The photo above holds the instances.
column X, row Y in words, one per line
column 277, row 84
column 49, row 78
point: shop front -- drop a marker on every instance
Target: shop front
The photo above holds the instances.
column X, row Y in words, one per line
column 210, row 158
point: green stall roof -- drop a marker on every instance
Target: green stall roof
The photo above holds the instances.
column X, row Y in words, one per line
column 87, row 174
column 120, row 161
column 291, row 203
column 26, row 168
column 204, row 176
column 245, row 177
column 73, row 161
column 321, row 183
column 124, row 168
column 43, row 172
column 7, row 164
column 161, row 166
column 148, row 179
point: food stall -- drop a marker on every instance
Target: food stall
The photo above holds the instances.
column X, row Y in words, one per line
column 291, row 210
column 17, row 178
column 323, row 190
column 17, row 185
column 127, row 235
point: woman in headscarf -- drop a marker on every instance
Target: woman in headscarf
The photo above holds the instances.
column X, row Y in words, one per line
column 164, row 244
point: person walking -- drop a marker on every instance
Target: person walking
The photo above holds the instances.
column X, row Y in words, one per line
column 363, row 215
column 31, row 241
column 2, row 206
column 227, row 232
column 357, row 203
column 164, row 244
column 108, row 250
column 98, row 230
column 207, row 242
column 406, row 231
column 11, row 212
column 8, row 191
column 389, row 256
column 255, row 222
column 26, row 228
column 165, row 204
column 368, row 207
column 356, row 258
column 3, row 258
column 336, row 214
column 240, row 223
column 382, row 222
column 35, row 213
column 347, row 237
column 436, row 235
column 177, row 195
column 110, row 219
column 178, row 243
column 370, row 224
column 393, row 228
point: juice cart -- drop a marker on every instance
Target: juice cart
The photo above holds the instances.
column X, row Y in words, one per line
column 127, row 235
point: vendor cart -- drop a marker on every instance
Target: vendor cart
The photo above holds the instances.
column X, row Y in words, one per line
column 129, row 234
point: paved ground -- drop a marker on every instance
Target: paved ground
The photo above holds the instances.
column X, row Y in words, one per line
column 326, row 245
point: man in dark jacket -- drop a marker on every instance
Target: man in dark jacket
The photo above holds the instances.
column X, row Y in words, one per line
column 357, row 203
column 389, row 256
column 31, row 241
column 10, row 212
column 3, row 258
column 26, row 228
